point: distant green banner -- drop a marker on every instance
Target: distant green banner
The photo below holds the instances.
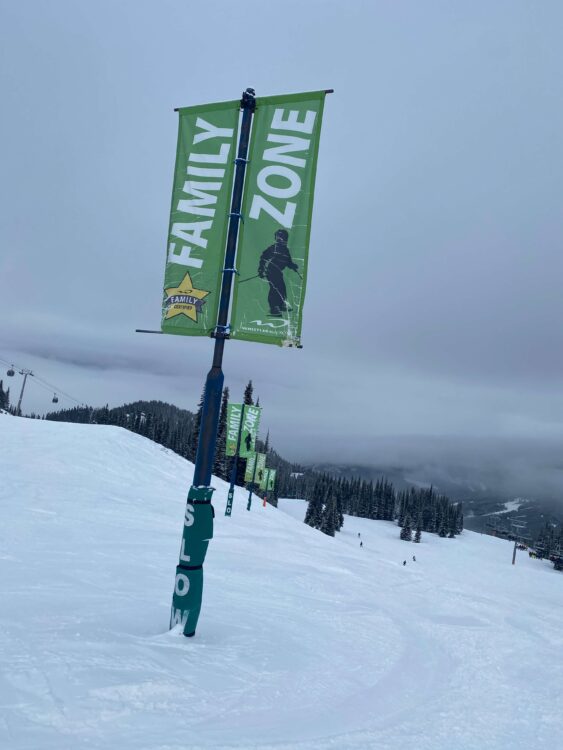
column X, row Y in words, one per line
column 203, row 181
column 271, row 479
column 260, row 467
column 264, row 479
column 273, row 243
column 255, row 465
column 250, row 425
column 234, row 414
column 250, row 468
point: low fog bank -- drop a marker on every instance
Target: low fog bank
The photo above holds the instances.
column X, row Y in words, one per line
column 458, row 465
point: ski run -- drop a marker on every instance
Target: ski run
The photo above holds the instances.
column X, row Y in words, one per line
column 305, row 642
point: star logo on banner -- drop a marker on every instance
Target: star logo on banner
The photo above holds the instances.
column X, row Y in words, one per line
column 184, row 299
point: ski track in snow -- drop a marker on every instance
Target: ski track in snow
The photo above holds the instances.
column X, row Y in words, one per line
column 304, row 642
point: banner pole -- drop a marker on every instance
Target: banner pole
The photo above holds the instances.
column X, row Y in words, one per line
column 214, row 383
column 248, row 505
column 198, row 523
column 234, row 468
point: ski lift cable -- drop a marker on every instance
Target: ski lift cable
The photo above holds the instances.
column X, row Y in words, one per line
column 56, row 391
column 45, row 387
column 12, row 364
column 41, row 381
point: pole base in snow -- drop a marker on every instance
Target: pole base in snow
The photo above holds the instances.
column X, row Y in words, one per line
column 188, row 585
column 230, row 498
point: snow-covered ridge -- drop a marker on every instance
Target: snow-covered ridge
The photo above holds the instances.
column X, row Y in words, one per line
column 509, row 507
column 304, row 641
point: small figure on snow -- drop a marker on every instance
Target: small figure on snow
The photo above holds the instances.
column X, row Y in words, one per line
column 414, row 558
column 358, row 534
column 404, row 562
column 361, row 544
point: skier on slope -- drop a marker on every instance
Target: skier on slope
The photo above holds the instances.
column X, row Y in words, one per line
column 404, row 562
column 273, row 261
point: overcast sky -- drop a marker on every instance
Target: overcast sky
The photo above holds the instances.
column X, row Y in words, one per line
column 434, row 302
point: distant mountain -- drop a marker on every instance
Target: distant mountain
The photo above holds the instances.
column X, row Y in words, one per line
column 457, row 482
column 483, row 506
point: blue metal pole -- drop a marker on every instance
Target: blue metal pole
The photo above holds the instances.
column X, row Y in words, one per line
column 214, row 383
column 198, row 520
column 234, row 468
column 251, row 489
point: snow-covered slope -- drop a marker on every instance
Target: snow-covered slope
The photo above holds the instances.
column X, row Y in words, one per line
column 304, row 641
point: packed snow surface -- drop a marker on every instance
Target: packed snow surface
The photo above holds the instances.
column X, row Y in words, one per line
column 304, row 641
column 509, row 507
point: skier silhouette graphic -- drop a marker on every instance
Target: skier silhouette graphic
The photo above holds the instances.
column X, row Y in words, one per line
column 248, row 441
column 273, row 261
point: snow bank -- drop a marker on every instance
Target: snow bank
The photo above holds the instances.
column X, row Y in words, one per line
column 304, row 641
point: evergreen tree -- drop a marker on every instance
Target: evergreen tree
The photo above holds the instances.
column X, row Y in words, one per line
column 418, row 534
column 248, row 391
column 194, row 437
column 402, row 509
column 241, row 463
column 4, row 397
column 314, row 514
column 329, row 518
column 102, row 415
column 339, row 513
column 406, row 531
column 220, row 463
column 459, row 518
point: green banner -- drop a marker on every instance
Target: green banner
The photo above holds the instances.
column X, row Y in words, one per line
column 277, row 204
column 264, row 479
column 260, row 467
column 252, row 476
column 271, row 479
column 201, row 194
column 234, row 413
column 250, row 467
column 250, row 425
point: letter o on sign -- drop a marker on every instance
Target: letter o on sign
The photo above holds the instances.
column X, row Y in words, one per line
column 294, row 181
column 182, row 585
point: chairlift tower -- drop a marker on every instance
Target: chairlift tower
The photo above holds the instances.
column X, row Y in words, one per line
column 517, row 524
column 25, row 373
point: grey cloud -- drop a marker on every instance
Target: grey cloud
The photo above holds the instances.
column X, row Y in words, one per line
column 461, row 466
column 437, row 211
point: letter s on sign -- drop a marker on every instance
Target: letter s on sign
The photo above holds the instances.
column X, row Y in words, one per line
column 189, row 517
